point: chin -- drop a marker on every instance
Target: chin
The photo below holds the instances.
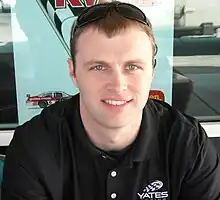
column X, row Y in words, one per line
column 115, row 123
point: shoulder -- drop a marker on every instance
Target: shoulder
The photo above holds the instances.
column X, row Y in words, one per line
column 183, row 142
column 178, row 130
column 37, row 150
column 172, row 118
column 44, row 132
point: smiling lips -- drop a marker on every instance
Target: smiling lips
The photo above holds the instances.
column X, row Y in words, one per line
column 116, row 102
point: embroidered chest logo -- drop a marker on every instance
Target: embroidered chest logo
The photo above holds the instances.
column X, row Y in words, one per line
column 154, row 191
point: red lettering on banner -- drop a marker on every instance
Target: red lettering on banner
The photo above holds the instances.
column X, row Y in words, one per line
column 157, row 94
column 73, row 3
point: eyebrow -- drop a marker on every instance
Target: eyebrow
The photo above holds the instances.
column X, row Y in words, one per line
column 139, row 61
column 94, row 61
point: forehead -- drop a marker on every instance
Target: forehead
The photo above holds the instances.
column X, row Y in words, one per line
column 131, row 43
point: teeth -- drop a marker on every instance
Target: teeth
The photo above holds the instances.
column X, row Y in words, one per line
column 115, row 103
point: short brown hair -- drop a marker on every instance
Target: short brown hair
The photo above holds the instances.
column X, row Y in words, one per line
column 111, row 25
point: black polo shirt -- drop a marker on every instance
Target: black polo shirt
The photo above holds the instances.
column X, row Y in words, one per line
column 51, row 158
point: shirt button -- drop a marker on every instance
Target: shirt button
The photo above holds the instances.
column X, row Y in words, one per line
column 113, row 195
column 113, row 173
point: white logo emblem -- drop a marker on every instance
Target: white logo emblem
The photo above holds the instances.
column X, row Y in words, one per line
column 151, row 192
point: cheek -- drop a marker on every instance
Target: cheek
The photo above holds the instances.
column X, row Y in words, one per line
column 88, row 85
column 142, row 84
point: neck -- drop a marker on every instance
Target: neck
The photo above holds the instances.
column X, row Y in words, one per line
column 107, row 138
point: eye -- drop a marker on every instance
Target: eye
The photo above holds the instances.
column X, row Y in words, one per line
column 99, row 68
column 131, row 67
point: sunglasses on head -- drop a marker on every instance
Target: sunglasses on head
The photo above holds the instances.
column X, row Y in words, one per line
column 99, row 11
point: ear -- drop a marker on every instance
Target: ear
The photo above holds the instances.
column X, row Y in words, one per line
column 154, row 64
column 72, row 72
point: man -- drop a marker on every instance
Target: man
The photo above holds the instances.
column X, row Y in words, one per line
column 109, row 142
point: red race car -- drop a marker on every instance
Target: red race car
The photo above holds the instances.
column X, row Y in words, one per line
column 47, row 98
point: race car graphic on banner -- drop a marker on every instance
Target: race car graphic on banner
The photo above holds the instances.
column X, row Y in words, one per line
column 47, row 98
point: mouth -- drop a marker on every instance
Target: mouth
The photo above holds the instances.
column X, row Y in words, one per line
column 116, row 102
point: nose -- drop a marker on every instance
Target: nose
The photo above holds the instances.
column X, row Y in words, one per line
column 117, row 82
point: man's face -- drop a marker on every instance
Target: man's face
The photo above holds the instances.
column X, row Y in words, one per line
column 113, row 75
